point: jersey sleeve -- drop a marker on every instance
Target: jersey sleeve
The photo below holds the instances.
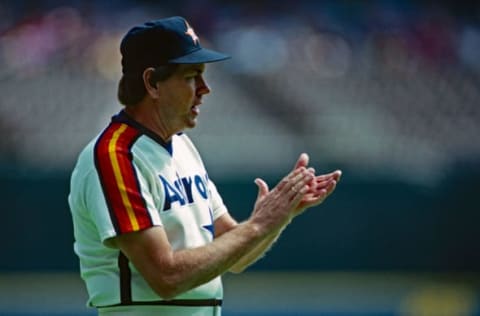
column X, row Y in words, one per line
column 218, row 207
column 110, row 217
column 123, row 188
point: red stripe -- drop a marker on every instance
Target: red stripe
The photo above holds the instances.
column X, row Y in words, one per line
column 113, row 188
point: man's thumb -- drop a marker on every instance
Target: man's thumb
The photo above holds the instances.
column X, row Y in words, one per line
column 262, row 187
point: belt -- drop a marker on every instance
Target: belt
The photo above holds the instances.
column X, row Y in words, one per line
column 193, row 303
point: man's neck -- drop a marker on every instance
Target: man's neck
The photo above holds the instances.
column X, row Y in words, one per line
column 142, row 113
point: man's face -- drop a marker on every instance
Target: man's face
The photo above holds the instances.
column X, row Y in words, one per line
column 181, row 96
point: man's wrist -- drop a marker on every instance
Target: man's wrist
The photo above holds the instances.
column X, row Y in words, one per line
column 256, row 230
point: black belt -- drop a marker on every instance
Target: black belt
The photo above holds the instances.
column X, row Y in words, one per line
column 191, row 303
column 126, row 292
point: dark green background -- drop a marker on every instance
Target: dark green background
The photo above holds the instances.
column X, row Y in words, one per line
column 368, row 224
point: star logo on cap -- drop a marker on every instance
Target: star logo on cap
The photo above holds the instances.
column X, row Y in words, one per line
column 190, row 32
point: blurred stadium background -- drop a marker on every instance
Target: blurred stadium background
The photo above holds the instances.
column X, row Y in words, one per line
column 388, row 91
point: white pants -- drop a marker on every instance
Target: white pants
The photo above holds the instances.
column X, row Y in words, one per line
column 161, row 311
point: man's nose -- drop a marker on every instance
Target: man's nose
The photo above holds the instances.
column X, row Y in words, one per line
column 202, row 86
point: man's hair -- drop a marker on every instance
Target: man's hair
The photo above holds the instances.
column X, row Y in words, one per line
column 131, row 89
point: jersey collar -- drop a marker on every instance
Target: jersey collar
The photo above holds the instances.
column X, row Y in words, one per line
column 123, row 117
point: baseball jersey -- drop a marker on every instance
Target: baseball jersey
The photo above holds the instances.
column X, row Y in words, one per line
column 126, row 180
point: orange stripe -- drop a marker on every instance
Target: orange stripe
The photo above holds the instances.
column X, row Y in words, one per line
column 119, row 178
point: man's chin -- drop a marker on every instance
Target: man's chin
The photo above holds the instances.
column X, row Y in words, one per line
column 191, row 124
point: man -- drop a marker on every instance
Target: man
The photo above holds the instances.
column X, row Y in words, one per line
column 151, row 231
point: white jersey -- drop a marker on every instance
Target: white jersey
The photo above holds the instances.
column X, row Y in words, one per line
column 126, row 180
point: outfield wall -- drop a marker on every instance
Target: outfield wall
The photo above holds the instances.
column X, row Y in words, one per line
column 368, row 224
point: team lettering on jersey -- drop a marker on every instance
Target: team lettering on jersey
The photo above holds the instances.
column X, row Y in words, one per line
column 181, row 190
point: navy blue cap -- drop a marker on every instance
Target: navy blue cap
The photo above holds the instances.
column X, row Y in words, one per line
column 165, row 41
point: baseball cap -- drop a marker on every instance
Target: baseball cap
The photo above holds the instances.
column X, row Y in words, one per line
column 165, row 41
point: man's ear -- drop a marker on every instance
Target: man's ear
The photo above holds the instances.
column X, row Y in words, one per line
column 149, row 82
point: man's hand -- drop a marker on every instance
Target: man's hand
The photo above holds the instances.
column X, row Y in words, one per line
column 319, row 188
column 308, row 193
column 275, row 208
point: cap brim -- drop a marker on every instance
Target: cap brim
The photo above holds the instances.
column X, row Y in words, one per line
column 200, row 56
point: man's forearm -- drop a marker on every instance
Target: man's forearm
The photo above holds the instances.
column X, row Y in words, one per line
column 257, row 253
column 192, row 267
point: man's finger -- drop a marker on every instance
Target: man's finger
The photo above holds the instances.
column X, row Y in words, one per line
column 324, row 191
column 262, row 188
column 302, row 161
column 331, row 187
column 311, row 200
column 336, row 175
column 297, row 183
column 298, row 195
column 288, row 178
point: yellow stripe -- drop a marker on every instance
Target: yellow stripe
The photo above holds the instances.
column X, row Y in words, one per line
column 119, row 178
